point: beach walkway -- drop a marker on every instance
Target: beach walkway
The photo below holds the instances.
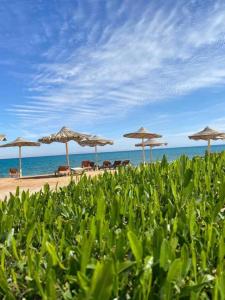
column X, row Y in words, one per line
column 35, row 183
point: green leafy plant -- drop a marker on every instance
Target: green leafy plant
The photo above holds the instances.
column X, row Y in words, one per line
column 149, row 232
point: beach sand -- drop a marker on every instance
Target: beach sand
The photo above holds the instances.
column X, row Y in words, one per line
column 35, row 183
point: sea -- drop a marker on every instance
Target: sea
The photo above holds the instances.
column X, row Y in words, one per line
column 48, row 164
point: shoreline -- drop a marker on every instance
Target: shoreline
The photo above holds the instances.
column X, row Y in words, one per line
column 36, row 183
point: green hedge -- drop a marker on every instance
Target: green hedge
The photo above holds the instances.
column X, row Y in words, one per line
column 151, row 232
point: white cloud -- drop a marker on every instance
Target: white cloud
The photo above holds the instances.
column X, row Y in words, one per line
column 127, row 57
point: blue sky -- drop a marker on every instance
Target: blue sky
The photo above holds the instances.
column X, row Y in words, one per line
column 108, row 67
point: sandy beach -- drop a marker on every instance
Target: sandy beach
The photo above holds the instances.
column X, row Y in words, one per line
column 35, row 183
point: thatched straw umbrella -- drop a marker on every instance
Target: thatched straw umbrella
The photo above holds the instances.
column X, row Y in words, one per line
column 20, row 142
column 142, row 134
column 2, row 138
column 65, row 135
column 151, row 143
column 207, row 134
column 95, row 141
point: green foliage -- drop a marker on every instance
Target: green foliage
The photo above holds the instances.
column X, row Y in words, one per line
column 152, row 232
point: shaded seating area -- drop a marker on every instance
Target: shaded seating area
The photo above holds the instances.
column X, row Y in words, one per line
column 20, row 142
column 63, row 171
column 142, row 134
column 95, row 141
column 65, row 135
column 117, row 163
column 86, row 165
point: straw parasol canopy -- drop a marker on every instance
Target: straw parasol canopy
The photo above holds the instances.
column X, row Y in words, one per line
column 142, row 134
column 151, row 143
column 65, row 135
column 2, row 138
column 94, row 141
column 207, row 134
column 20, row 142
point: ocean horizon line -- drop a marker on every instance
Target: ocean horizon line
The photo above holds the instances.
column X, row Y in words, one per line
column 106, row 152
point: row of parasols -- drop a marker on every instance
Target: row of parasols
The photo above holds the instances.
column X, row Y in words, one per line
column 66, row 135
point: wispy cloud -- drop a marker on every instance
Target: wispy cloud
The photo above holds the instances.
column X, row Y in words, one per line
column 109, row 58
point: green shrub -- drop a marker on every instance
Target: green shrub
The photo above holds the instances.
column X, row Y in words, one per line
column 152, row 232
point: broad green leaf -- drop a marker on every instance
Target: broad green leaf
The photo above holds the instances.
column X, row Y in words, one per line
column 146, row 278
column 136, row 246
column 102, row 281
column 164, row 259
column 124, row 266
column 175, row 271
column 51, row 250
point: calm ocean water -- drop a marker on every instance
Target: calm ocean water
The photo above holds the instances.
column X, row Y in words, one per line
column 48, row 164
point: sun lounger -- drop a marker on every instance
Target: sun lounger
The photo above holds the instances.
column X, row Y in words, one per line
column 106, row 165
column 13, row 172
column 126, row 163
column 116, row 164
column 63, row 171
column 93, row 165
column 87, row 165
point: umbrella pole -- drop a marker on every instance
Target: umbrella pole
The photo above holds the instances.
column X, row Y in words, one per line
column 20, row 162
column 96, row 157
column 143, row 151
column 209, row 146
column 150, row 154
column 67, row 155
